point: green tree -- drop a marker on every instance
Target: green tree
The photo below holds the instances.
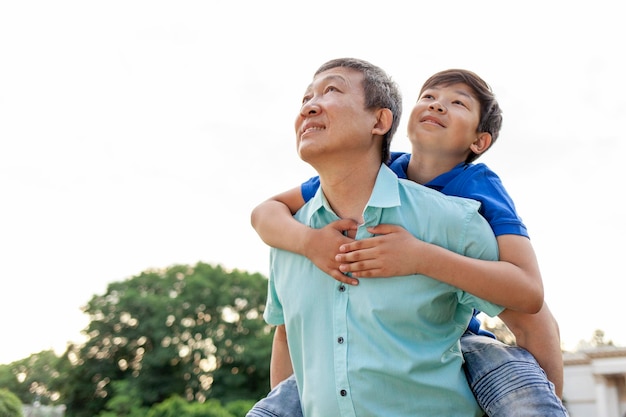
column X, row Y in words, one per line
column 239, row 408
column 36, row 378
column 124, row 402
column 597, row 340
column 175, row 406
column 192, row 331
column 10, row 404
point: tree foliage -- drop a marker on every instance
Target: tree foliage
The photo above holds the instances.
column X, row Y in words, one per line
column 178, row 407
column 36, row 378
column 192, row 331
column 10, row 404
column 597, row 340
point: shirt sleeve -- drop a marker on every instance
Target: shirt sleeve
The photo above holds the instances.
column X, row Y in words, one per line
column 273, row 313
column 480, row 243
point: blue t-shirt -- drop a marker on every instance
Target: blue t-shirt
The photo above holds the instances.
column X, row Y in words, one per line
column 475, row 181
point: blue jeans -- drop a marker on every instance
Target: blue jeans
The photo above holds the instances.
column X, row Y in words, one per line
column 506, row 380
column 282, row 401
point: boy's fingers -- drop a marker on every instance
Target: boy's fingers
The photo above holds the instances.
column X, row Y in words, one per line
column 358, row 245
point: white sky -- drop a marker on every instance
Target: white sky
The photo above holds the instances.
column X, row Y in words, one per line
column 140, row 134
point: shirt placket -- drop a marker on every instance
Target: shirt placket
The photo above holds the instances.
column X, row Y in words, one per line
column 340, row 326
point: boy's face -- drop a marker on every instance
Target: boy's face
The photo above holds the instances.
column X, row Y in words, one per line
column 444, row 121
column 333, row 120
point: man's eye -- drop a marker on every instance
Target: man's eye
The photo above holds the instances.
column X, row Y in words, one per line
column 330, row 88
column 305, row 99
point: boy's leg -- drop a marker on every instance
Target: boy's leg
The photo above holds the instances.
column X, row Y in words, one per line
column 282, row 401
column 507, row 380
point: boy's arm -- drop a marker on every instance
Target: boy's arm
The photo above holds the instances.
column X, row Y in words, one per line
column 280, row 362
column 513, row 282
column 273, row 221
column 539, row 334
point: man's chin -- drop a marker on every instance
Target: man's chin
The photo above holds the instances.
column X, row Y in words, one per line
column 308, row 152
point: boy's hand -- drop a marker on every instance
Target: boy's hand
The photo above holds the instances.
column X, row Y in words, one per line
column 394, row 252
column 323, row 244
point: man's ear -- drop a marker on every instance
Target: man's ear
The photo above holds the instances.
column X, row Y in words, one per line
column 384, row 120
column 482, row 143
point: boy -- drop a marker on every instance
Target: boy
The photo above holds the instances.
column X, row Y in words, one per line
column 454, row 121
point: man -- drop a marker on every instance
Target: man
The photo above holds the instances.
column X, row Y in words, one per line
column 385, row 347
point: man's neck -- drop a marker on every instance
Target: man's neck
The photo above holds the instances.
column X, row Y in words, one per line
column 349, row 187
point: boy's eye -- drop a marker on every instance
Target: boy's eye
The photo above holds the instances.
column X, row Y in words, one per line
column 459, row 102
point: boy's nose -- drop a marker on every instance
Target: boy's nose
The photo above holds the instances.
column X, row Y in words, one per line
column 436, row 106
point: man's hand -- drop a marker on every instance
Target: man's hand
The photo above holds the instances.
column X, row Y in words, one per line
column 323, row 244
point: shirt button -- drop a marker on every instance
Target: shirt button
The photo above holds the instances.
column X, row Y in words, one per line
column 343, row 392
column 340, row 340
column 342, row 288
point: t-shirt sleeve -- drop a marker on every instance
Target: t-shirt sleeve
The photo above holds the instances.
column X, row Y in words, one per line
column 309, row 188
column 496, row 204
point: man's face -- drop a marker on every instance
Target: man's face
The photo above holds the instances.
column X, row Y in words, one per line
column 444, row 121
column 333, row 119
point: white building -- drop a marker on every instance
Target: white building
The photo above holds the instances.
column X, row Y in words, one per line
column 595, row 382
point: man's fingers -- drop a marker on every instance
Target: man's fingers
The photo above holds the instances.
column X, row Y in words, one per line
column 344, row 224
column 344, row 278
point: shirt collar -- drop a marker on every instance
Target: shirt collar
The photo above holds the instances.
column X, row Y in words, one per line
column 384, row 194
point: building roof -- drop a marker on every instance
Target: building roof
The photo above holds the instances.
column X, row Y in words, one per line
column 585, row 356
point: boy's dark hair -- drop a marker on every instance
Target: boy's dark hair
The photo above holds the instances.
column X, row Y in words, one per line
column 380, row 92
column 490, row 112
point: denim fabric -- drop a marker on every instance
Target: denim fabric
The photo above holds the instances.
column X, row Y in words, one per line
column 282, row 401
column 507, row 380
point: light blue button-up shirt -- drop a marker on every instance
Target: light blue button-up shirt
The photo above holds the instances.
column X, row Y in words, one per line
column 387, row 347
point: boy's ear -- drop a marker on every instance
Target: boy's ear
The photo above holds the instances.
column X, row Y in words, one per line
column 384, row 120
column 482, row 143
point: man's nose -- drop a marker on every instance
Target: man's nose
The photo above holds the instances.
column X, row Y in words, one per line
column 310, row 108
